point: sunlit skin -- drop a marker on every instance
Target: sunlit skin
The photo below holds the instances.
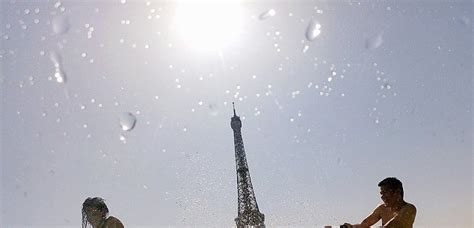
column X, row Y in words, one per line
column 99, row 219
column 394, row 212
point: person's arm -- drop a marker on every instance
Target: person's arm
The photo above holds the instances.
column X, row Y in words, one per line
column 404, row 218
column 370, row 220
column 113, row 222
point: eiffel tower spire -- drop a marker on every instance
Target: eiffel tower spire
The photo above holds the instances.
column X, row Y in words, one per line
column 248, row 213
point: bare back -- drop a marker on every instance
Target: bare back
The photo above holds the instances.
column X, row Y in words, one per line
column 113, row 222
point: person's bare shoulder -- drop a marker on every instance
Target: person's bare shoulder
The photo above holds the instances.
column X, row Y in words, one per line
column 380, row 208
column 410, row 208
column 113, row 222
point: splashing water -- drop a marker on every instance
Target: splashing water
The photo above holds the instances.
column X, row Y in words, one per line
column 127, row 121
column 313, row 30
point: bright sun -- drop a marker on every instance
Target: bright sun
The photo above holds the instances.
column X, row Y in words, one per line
column 209, row 25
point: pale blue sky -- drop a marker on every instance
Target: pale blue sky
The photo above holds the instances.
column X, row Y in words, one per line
column 384, row 89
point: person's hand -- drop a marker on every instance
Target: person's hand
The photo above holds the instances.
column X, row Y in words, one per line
column 346, row 225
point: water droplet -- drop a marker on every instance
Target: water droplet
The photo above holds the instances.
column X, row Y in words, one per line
column 313, row 30
column 267, row 14
column 305, row 48
column 213, row 110
column 55, row 58
column 60, row 25
column 374, row 42
column 57, row 4
column 127, row 121
column 465, row 20
column 60, row 75
column 329, row 79
column 123, row 139
column 386, row 86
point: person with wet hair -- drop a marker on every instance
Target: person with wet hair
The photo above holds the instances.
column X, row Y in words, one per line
column 394, row 211
column 95, row 215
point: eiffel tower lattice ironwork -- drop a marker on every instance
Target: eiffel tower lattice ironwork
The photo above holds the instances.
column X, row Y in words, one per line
column 248, row 214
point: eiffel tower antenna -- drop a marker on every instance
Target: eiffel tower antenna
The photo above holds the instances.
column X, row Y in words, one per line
column 233, row 106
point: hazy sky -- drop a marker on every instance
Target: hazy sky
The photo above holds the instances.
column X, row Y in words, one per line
column 334, row 96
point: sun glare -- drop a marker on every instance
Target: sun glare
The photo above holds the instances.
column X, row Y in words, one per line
column 209, row 25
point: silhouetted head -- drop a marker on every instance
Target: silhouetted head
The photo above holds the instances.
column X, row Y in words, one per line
column 94, row 212
column 391, row 191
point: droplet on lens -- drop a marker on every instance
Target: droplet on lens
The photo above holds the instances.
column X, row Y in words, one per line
column 60, row 25
column 313, row 30
column 267, row 14
column 127, row 121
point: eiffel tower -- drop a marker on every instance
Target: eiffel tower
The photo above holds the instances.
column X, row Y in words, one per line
column 248, row 214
